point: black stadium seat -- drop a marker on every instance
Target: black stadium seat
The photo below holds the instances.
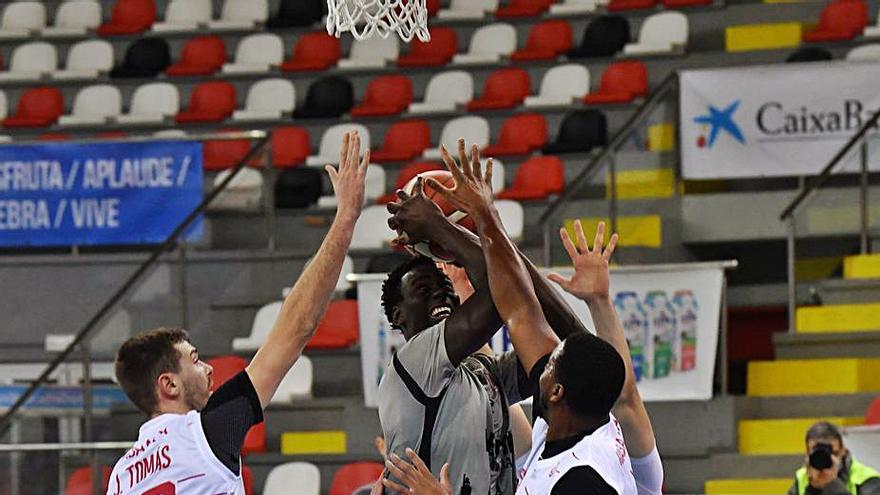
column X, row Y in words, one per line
column 146, row 57
column 298, row 187
column 329, row 97
column 604, row 37
column 580, row 131
column 294, row 13
column 809, row 54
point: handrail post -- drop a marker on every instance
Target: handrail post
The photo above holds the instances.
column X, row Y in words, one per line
column 864, row 247
column 269, row 195
column 612, row 206
column 790, row 272
column 183, row 275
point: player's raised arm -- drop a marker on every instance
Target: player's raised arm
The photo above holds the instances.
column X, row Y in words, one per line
column 509, row 281
column 305, row 305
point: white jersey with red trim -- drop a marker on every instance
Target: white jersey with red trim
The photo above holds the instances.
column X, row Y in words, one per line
column 603, row 450
column 172, row 456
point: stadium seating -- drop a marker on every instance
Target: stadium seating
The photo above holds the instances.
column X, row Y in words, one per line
column 31, row 61
column 488, row 45
column 604, row 37
column 574, row 7
column 290, row 146
column 663, row 33
column 870, row 52
column 331, row 142
column 152, row 103
column 74, row 18
column 87, row 59
column 297, row 383
column 520, row 135
column 536, row 179
column 523, row 8
column 560, row 86
column 351, row 478
column 339, row 328
column 385, row 95
column 624, row 5
column 436, row 52
column 146, row 57
column 371, row 53
column 498, row 173
column 37, row 107
column 243, row 193
column 547, row 40
column 298, row 187
column 371, row 230
column 262, row 324
column 504, row 88
column 678, row 4
column 621, row 83
column 256, row 53
column 872, row 31
column 809, row 54
column 80, row 481
column 241, row 15
column 129, row 17
column 185, row 15
column 872, row 415
column 840, row 20
column 472, row 10
column 329, row 97
column 201, row 55
column 473, row 128
column 405, row 175
column 445, row 92
column 579, row 132
column 403, row 141
column 296, row 13
column 268, row 99
column 223, row 154
column 4, row 105
column 512, row 218
column 304, row 476
column 94, row 105
column 313, row 52
column 247, row 479
column 374, row 188
column 211, row 101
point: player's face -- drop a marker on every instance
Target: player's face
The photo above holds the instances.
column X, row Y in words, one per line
column 195, row 375
column 427, row 299
column 547, row 382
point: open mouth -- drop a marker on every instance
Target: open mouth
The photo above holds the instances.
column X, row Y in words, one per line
column 441, row 312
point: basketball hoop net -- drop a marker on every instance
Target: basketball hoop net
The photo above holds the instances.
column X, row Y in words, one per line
column 366, row 18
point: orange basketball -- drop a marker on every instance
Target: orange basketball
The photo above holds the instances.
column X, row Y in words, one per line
column 444, row 177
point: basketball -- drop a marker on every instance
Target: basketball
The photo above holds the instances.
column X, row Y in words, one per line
column 437, row 253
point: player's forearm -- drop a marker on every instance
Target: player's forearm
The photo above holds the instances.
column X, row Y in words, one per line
column 465, row 248
column 609, row 329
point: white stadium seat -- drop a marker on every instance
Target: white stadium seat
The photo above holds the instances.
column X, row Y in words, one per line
column 269, row 99
column 331, row 141
column 301, row 477
column 170, row 133
column 185, row 15
column 94, row 105
column 296, row 384
column 243, row 193
column 256, row 53
column 152, row 103
column 460, row 10
column 474, row 130
column 872, row 31
column 374, row 186
column 488, row 45
column 87, row 60
column 512, row 217
column 31, row 61
column 20, row 19
column 241, row 14
column 864, row 53
column 75, row 18
column 371, row 230
column 574, row 7
column 4, row 105
column 561, row 86
column 371, row 53
column 663, row 33
column 445, row 91
column 263, row 323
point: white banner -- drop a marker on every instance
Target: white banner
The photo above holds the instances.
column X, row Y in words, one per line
column 779, row 120
column 670, row 313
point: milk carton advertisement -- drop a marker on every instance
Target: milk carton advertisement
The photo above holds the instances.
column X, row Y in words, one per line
column 635, row 328
column 661, row 333
column 685, row 345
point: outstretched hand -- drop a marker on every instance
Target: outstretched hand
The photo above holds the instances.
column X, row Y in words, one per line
column 413, row 216
column 416, row 477
column 591, row 278
column 472, row 192
column 348, row 179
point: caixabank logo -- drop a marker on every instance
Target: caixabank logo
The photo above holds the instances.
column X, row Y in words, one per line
column 716, row 121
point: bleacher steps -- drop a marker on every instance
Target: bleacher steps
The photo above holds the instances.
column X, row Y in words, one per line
column 749, row 37
column 320, row 442
column 691, row 473
column 827, row 345
column 838, row 318
column 748, row 486
column 813, row 376
column 862, row 266
column 801, row 405
column 849, row 291
column 781, row 436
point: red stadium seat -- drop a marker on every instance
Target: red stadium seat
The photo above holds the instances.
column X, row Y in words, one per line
column 621, row 5
column 339, row 328
column 872, row 415
column 433, row 7
column 386, row 95
column 225, row 367
column 536, row 179
column 404, row 140
column 255, row 440
column 290, row 146
column 37, row 107
column 247, row 479
column 439, row 51
column 841, row 20
column 223, row 154
column 210, row 102
column 547, row 40
column 355, row 476
column 520, row 135
column 406, row 174
column 676, row 4
column 313, row 52
column 54, row 136
column 622, row 82
column 80, row 481
column 129, row 17
column 201, row 55
column 504, row 88
column 111, row 134
column 523, row 8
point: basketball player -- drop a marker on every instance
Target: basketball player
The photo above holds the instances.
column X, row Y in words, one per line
column 440, row 396
column 192, row 440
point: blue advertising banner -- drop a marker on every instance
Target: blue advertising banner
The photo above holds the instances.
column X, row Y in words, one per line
column 63, row 194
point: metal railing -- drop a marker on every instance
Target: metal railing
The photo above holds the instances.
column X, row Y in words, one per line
column 789, row 213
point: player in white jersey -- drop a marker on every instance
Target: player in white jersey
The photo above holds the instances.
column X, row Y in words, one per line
column 192, row 440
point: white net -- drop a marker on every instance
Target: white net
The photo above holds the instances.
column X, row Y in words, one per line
column 366, row 18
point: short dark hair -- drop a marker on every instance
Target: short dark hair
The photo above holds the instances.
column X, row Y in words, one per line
column 391, row 294
column 592, row 374
column 142, row 358
column 824, row 430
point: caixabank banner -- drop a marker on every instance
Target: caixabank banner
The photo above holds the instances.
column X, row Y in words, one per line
column 780, row 120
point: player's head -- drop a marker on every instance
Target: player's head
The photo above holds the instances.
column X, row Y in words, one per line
column 417, row 295
column 161, row 367
column 584, row 375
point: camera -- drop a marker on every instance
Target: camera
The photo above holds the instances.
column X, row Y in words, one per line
column 820, row 456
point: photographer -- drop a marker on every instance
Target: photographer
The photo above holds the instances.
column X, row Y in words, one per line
column 830, row 469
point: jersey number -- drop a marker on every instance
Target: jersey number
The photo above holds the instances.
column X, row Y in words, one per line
column 166, row 488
